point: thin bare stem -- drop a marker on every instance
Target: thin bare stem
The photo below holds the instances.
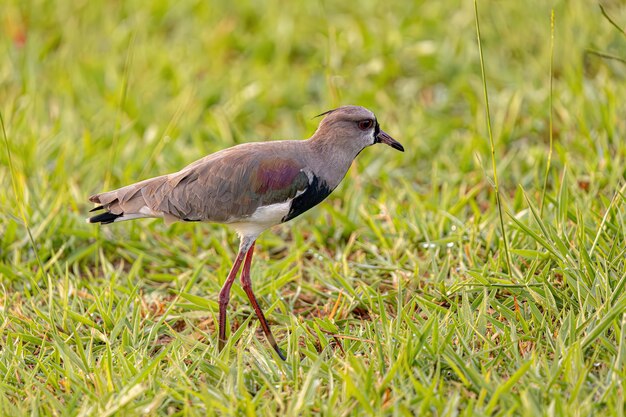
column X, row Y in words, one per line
column 611, row 20
column 606, row 56
column 491, row 142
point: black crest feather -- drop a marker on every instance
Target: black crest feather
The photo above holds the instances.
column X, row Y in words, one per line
column 325, row 113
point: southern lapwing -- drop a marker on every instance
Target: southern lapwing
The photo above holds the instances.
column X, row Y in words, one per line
column 251, row 187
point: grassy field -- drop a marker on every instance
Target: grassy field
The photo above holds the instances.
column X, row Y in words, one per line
column 408, row 292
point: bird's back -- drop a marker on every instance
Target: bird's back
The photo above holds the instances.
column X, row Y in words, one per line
column 223, row 187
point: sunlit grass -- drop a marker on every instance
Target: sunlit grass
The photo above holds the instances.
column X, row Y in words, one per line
column 394, row 296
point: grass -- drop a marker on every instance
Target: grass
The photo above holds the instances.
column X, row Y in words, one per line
column 393, row 297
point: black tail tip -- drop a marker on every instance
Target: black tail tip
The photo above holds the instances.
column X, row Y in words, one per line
column 104, row 218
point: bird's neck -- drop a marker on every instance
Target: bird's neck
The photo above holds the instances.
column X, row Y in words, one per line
column 330, row 162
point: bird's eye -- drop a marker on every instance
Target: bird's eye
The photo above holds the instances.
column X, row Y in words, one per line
column 365, row 124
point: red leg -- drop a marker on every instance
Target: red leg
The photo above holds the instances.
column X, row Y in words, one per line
column 225, row 296
column 246, row 284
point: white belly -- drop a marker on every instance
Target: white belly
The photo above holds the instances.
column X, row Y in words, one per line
column 263, row 218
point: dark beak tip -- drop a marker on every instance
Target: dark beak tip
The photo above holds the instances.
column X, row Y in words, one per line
column 383, row 137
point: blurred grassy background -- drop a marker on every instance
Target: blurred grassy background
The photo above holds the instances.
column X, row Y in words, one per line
column 391, row 297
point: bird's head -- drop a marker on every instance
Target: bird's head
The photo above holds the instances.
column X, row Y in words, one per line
column 354, row 127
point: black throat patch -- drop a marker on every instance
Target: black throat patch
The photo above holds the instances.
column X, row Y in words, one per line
column 314, row 194
column 376, row 131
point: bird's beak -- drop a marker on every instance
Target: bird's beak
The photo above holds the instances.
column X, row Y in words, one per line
column 382, row 137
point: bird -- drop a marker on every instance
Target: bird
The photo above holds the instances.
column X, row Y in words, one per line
column 251, row 187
